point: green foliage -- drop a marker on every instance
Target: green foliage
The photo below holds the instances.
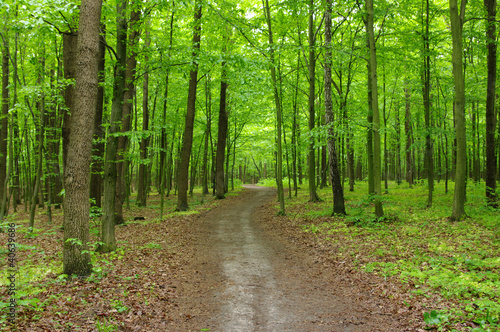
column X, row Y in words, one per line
column 434, row 319
column 420, row 247
column 105, row 325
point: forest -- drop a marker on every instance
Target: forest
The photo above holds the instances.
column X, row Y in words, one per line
column 376, row 122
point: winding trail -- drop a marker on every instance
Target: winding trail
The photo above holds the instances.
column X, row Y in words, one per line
column 247, row 280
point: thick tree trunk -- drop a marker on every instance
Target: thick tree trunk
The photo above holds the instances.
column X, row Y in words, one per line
column 338, row 192
column 491, row 161
column 458, row 212
column 187, row 142
column 77, row 175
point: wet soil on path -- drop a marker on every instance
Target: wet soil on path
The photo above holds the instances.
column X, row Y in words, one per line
column 245, row 273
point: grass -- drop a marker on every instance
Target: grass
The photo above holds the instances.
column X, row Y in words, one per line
column 418, row 246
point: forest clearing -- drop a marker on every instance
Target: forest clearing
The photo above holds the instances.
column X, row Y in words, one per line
column 133, row 133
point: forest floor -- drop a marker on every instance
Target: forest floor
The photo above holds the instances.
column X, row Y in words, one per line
column 228, row 265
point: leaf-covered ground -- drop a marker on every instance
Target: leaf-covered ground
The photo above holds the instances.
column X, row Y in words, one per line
column 416, row 264
column 132, row 289
column 447, row 273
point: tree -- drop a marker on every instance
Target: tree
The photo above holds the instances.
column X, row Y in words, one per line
column 187, row 141
column 457, row 21
column 313, row 196
column 110, row 170
column 4, row 126
column 76, row 259
column 220, row 182
column 491, row 161
column 426, row 94
column 379, row 212
column 338, row 192
column 277, row 104
column 143, row 175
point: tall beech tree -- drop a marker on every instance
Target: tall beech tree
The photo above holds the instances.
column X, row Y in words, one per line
column 277, row 104
column 220, row 182
column 4, row 125
column 379, row 212
column 457, row 21
column 76, row 259
column 108, row 239
column 313, row 196
column 123, row 141
column 429, row 159
column 338, row 192
column 96, row 178
column 143, row 175
column 187, row 141
column 491, row 161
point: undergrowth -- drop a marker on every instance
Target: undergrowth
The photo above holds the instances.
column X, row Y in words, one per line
column 459, row 261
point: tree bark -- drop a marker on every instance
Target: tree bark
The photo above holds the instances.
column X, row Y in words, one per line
column 379, row 212
column 5, row 125
column 208, row 129
column 121, row 183
column 427, row 110
column 221, row 136
column 96, row 177
column 143, row 176
column 338, row 192
column 110, row 172
column 77, row 175
column 409, row 137
column 69, row 59
column 277, row 104
column 313, row 196
column 187, row 142
column 491, row 161
column 459, row 197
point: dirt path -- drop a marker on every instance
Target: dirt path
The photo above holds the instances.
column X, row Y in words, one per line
column 245, row 277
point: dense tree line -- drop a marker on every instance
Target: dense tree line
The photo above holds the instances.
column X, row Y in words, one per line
column 322, row 92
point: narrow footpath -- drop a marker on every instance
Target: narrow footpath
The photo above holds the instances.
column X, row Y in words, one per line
column 243, row 278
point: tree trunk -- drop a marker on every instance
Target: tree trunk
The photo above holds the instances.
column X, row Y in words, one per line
column 4, row 129
column 277, row 104
column 491, row 167
column 121, row 185
column 409, row 139
column 77, row 175
column 96, row 178
column 143, row 177
column 379, row 212
column 338, row 192
column 187, row 142
column 427, row 109
column 110, row 174
column 221, row 136
column 204, row 176
column 69, row 59
column 458, row 212
column 313, row 196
